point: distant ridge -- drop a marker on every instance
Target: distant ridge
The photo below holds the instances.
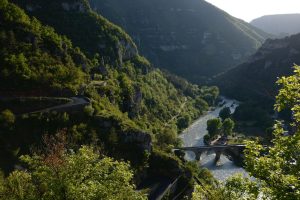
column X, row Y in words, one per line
column 280, row 25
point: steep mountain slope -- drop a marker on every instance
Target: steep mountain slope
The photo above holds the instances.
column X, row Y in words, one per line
column 87, row 30
column 34, row 56
column 190, row 38
column 133, row 108
column 255, row 79
column 279, row 25
column 118, row 62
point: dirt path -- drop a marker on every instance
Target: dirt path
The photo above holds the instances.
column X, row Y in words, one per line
column 178, row 113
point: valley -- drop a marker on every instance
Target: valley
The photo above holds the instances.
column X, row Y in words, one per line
column 117, row 99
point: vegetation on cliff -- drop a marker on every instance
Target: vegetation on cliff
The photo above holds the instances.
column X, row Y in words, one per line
column 133, row 112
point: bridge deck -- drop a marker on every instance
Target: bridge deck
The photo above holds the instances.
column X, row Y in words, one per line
column 211, row 147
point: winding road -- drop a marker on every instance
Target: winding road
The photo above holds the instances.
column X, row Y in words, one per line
column 75, row 102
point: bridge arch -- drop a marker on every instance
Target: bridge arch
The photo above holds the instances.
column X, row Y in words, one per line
column 234, row 152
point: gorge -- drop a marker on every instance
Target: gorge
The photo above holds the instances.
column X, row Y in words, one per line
column 84, row 115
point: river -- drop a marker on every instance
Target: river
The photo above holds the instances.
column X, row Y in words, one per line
column 193, row 136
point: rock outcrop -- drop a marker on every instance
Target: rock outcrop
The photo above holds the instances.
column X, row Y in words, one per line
column 141, row 139
column 127, row 50
column 77, row 6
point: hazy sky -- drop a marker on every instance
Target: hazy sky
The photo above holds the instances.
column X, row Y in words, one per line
column 251, row 9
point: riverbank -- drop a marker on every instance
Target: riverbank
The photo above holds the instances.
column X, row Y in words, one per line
column 193, row 136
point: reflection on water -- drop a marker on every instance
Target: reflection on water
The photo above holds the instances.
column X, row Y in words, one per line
column 193, row 136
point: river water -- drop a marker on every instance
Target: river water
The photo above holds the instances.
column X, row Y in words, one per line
column 193, row 136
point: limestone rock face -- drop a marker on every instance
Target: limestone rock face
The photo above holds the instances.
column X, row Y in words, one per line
column 274, row 44
column 141, row 139
column 127, row 50
column 30, row 7
column 77, row 6
column 269, row 47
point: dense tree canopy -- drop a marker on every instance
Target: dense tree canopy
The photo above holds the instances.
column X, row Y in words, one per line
column 235, row 188
column 33, row 55
column 132, row 106
column 278, row 168
column 214, row 127
column 228, row 126
column 74, row 176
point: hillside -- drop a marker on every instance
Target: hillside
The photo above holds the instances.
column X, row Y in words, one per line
column 255, row 79
column 95, row 35
column 101, row 93
column 279, row 25
column 191, row 38
column 33, row 56
column 119, row 72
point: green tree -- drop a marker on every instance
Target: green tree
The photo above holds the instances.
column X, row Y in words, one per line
column 89, row 110
column 278, row 168
column 235, row 188
column 239, row 187
column 78, row 176
column 206, row 139
column 7, row 118
column 200, row 104
column 228, row 126
column 211, row 95
column 167, row 136
column 184, row 121
column 214, row 127
column 225, row 113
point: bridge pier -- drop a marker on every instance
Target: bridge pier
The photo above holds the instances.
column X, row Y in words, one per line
column 218, row 155
column 234, row 152
column 198, row 156
column 236, row 155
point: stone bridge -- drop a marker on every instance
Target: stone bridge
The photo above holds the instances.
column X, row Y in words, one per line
column 233, row 152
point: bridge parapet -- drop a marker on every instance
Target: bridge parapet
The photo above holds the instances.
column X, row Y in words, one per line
column 234, row 152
